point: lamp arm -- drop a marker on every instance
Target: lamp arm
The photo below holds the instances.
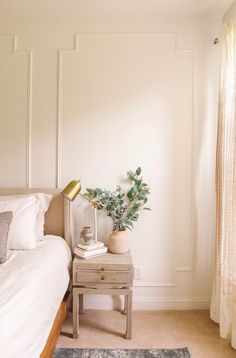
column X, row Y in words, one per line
column 95, row 216
column 89, row 200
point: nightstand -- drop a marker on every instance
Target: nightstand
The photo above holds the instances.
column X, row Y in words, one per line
column 107, row 274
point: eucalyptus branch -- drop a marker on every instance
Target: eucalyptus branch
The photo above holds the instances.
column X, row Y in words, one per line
column 122, row 206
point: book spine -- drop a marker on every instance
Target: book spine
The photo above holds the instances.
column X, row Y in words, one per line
column 85, row 254
column 89, row 247
column 90, row 257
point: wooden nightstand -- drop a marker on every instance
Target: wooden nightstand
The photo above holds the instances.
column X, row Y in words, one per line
column 107, row 274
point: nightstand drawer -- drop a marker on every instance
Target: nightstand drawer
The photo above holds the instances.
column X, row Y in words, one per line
column 102, row 277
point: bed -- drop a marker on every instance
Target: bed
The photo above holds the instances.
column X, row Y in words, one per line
column 34, row 286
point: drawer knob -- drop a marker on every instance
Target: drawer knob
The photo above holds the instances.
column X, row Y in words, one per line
column 103, row 278
column 102, row 269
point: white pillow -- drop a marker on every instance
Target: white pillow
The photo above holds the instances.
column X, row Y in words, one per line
column 43, row 202
column 22, row 229
column 43, row 205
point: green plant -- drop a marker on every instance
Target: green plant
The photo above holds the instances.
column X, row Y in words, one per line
column 122, row 206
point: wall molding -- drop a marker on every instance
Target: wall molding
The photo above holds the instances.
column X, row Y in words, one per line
column 148, row 303
column 29, row 53
column 153, row 284
column 178, row 49
column 59, row 108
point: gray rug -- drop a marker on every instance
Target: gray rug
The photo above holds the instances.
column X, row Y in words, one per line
column 121, row 353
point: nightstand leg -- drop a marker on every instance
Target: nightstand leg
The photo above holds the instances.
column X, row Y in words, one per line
column 81, row 303
column 125, row 304
column 129, row 315
column 75, row 314
column 71, row 305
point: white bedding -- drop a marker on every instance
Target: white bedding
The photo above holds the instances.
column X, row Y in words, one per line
column 32, row 286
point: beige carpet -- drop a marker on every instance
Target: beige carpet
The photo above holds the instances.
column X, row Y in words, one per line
column 151, row 329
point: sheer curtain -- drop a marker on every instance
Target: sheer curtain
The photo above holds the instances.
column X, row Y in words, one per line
column 223, row 304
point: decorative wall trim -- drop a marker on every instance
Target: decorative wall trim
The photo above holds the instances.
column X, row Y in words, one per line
column 14, row 39
column 178, row 49
column 153, row 284
column 59, row 108
column 148, row 303
column 183, row 269
column 192, row 171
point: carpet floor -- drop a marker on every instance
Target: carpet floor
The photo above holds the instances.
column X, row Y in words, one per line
column 151, row 329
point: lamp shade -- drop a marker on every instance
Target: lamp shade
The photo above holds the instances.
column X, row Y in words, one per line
column 72, row 190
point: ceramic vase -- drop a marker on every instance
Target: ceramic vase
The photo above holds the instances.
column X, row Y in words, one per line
column 118, row 242
column 86, row 235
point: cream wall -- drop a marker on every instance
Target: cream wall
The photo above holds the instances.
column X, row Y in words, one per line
column 91, row 98
column 231, row 12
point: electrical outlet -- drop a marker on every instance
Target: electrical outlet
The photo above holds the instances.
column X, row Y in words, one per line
column 138, row 272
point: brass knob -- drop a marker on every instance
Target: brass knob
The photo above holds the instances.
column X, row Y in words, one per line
column 102, row 269
column 103, row 278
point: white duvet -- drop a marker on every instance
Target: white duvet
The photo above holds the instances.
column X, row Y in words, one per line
column 32, row 286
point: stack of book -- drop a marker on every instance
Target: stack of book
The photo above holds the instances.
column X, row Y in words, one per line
column 91, row 250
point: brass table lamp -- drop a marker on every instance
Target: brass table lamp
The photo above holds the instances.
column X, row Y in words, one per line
column 71, row 191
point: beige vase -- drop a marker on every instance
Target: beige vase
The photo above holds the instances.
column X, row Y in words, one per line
column 118, row 242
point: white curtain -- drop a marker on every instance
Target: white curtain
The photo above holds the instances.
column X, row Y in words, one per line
column 223, row 304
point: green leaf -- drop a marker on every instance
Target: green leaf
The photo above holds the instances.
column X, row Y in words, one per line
column 98, row 191
column 141, row 196
column 129, row 223
column 130, row 195
column 91, row 191
column 138, row 182
column 138, row 171
column 130, row 175
column 147, row 209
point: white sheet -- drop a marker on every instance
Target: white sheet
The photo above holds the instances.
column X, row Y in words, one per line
column 32, row 286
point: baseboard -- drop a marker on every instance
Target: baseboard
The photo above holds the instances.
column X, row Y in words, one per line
column 171, row 303
column 147, row 303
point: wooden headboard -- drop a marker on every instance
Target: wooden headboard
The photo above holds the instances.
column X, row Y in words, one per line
column 57, row 218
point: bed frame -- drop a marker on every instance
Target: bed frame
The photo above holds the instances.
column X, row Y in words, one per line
column 57, row 222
